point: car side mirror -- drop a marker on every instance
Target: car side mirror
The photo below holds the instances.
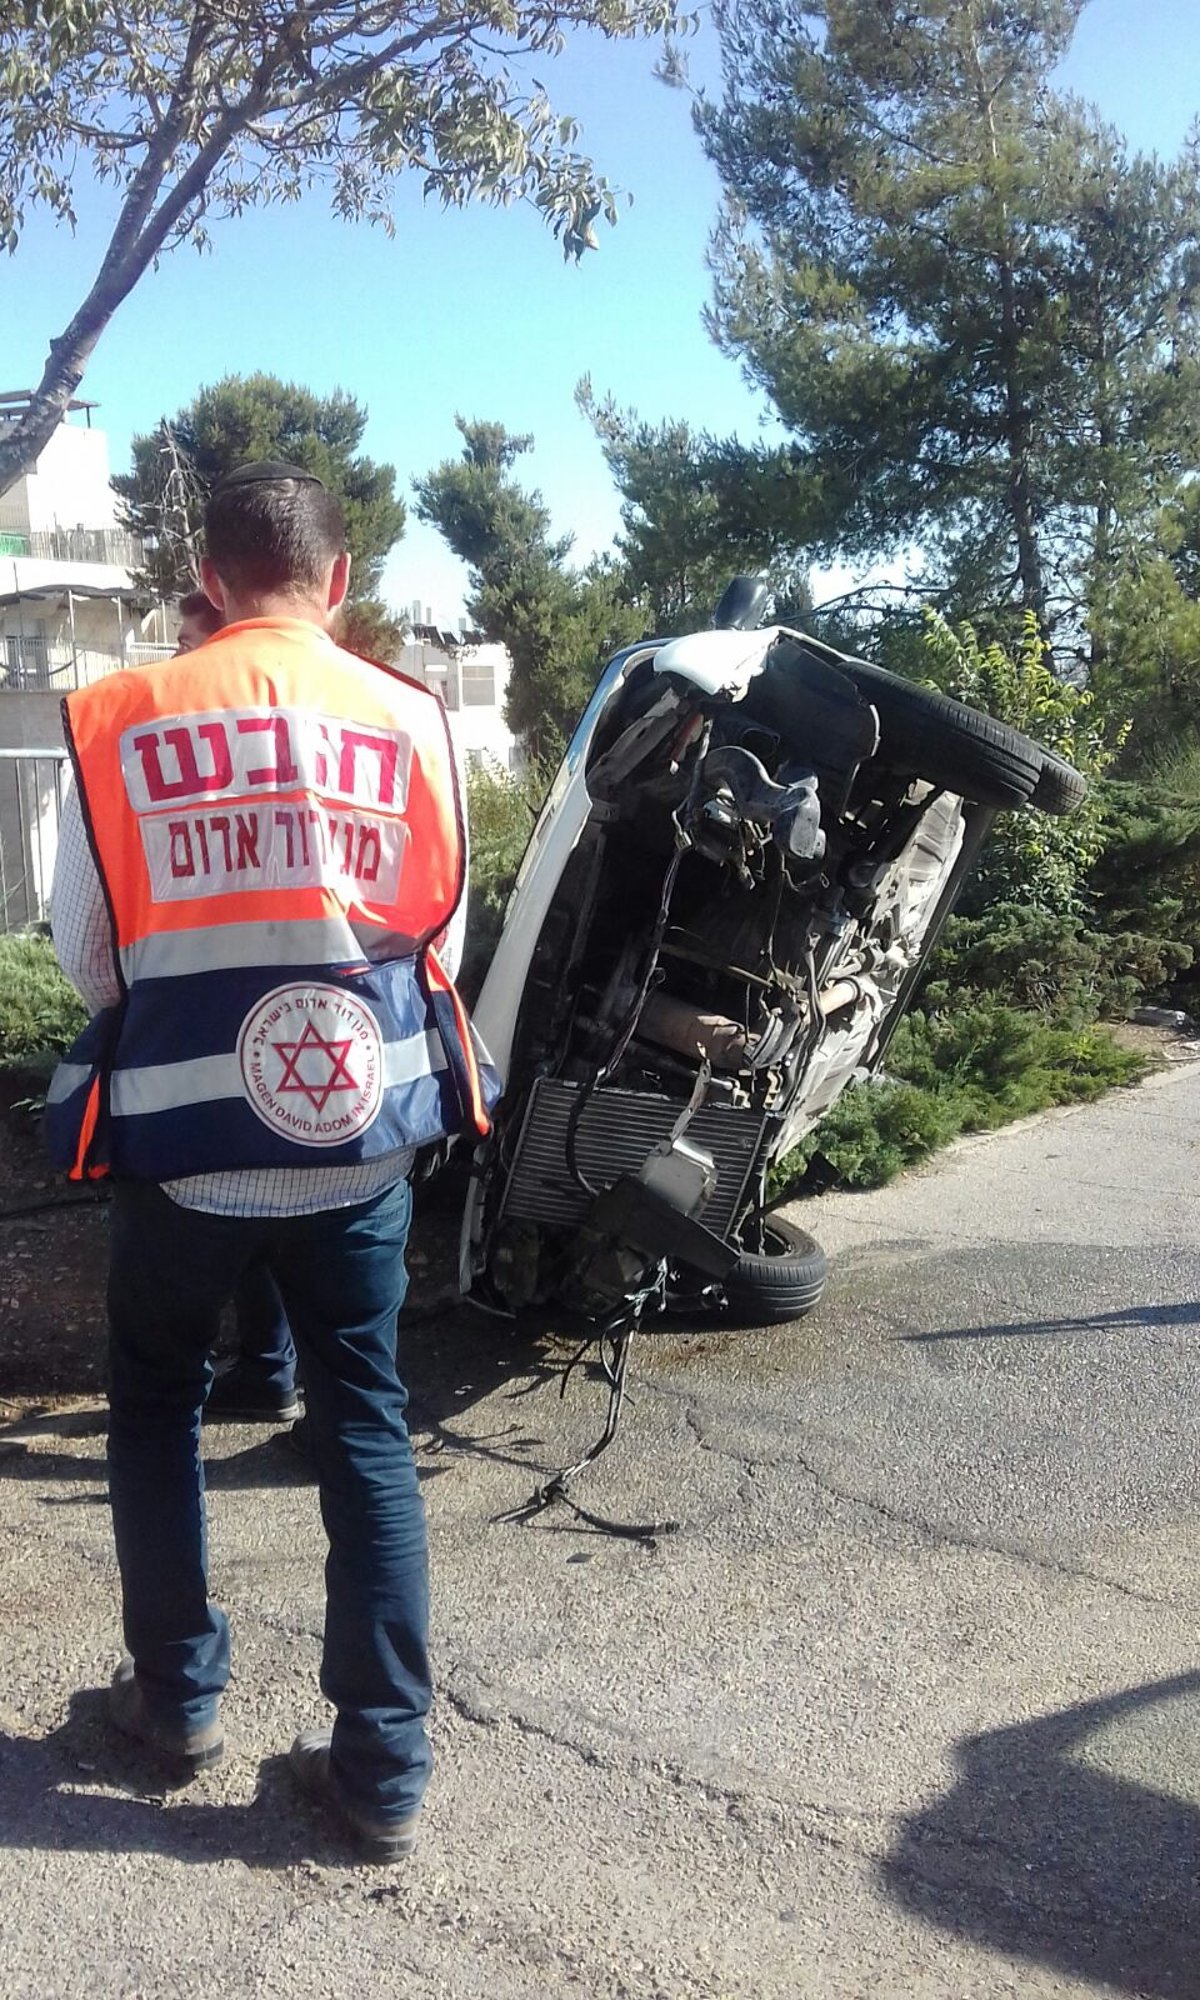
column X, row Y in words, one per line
column 745, row 601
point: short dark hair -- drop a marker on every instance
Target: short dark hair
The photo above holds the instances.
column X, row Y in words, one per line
column 197, row 604
column 273, row 528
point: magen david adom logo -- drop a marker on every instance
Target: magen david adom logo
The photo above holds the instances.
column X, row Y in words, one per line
column 311, row 1059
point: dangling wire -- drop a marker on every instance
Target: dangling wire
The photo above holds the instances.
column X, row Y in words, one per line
column 614, row 1341
column 614, row 1344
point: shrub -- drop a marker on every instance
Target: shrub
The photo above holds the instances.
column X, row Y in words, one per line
column 501, row 811
column 966, row 1072
column 1039, row 925
column 1030, row 858
column 1035, row 959
column 1146, row 882
column 995, row 1063
column 40, row 1014
column 871, row 1134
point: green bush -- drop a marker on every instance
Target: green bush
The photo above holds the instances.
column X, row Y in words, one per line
column 1136, row 935
column 1034, row 959
column 948, row 1074
column 873, row 1132
column 994, row 1063
column 40, row 1014
column 501, row 811
column 1030, row 858
column 1070, row 918
column 1145, row 884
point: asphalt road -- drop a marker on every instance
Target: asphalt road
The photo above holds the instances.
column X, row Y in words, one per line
column 907, row 1707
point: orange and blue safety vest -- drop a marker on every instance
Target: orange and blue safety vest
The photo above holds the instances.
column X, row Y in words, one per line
column 279, row 835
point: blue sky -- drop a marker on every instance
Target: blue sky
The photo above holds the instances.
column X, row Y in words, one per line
column 475, row 312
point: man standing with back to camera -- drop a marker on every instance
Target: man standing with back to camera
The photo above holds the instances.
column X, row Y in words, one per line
column 264, row 844
column 259, row 1385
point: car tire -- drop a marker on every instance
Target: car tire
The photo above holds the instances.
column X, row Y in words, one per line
column 782, row 1281
column 1061, row 789
column 958, row 748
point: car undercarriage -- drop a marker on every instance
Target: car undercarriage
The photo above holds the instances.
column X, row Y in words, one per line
column 723, row 914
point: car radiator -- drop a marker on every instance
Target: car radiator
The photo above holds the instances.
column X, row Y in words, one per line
column 617, row 1131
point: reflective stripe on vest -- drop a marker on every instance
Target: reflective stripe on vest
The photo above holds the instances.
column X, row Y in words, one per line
column 279, row 837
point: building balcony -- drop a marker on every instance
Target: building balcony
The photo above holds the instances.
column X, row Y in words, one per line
column 74, row 545
column 29, row 663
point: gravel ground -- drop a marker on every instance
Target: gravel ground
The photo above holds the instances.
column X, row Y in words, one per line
column 906, row 1707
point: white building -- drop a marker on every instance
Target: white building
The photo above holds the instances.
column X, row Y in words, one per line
column 69, row 613
column 69, row 608
column 470, row 676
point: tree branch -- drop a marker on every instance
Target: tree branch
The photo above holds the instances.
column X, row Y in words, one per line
column 268, row 57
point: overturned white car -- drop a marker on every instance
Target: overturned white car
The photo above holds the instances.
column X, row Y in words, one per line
column 745, row 858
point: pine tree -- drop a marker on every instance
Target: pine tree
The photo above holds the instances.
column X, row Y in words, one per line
column 559, row 623
column 177, row 465
column 975, row 313
column 695, row 511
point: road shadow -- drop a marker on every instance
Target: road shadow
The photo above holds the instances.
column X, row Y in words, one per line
column 451, row 1359
column 1183, row 1315
column 83, row 1789
column 452, row 1356
column 1073, row 1842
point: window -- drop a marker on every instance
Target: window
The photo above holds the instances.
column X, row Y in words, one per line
column 478, row 683
column 27, row 658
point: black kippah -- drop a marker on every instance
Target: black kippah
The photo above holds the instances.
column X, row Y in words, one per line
column 266, row 471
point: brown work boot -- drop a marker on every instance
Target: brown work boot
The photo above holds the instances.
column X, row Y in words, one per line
column 383, row 1839
column 127, row 1709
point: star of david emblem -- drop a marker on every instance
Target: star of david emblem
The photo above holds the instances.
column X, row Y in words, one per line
column 315, row 1066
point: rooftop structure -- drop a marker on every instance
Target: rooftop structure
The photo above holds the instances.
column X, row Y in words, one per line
column 470, row 677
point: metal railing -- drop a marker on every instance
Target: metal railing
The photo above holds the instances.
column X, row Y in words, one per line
column 77, row 545
column 32, row 783
column 28, row 663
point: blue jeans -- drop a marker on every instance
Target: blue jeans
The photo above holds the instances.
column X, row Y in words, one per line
column 266, row 1355
column 342, row 1279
